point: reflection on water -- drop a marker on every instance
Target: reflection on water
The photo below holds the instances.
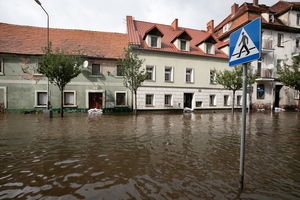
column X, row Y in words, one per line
column 149, row 156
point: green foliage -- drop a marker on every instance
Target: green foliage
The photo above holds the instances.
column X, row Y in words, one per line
column 232, row 79
column 133, row 75
column 289, row 75
column 60, row 67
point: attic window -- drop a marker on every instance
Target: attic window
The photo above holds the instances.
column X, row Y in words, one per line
column 226, row 27
column 153, row 40
column 183, row 45
column 271, row 18
column 210, row 48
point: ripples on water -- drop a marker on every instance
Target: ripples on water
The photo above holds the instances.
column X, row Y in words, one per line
column 151, row 156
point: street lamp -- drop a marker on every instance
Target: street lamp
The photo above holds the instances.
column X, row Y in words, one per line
column 48, row 49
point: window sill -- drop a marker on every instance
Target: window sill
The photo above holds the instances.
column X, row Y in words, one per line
column 1, row 74
column 168, row 106
column 189, row 82
column 213, row 105
column 37, row 106
column 169, row 81
column 149, row 105
column 120, row 106
column 70, row 106
column 280, row 46
column 95, row 76
column 37, row 74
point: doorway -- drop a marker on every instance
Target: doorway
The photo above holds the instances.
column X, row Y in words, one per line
column 277, row 95
column 187, row 100
column 95, row 100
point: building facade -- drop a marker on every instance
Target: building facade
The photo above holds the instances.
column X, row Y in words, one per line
column 181, row 65
column 22, row 87
column 280, row 42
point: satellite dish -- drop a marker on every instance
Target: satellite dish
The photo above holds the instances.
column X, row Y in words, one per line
column 85, row 64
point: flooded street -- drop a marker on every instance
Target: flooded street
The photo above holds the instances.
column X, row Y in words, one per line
column 151, row 156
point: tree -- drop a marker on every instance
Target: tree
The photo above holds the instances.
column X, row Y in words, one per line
column 133, row 75
column 289, row 75
column 60, row 68
column 232, row 80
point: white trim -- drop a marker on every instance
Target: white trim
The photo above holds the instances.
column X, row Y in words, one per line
column 147, row 105
column 94, row 91
column 126, row 96
column 1, row 66
column 171, row 74
column 171, row 100
column 192, row 74
column 4, row 95
column 41, row 82
column 153, row 73
column 75, row 99
column 35, row 99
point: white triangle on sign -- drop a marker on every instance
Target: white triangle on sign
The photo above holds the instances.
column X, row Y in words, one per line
column 240, row 50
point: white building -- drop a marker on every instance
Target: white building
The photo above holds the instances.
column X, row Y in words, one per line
column 181, row 64
column 280, row 42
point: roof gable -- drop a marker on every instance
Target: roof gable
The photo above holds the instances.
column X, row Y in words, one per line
column 153, row 31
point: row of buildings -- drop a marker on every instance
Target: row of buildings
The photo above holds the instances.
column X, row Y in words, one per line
column 180, row 63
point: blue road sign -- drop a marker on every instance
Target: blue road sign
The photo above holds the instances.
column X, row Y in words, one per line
column 245, row 43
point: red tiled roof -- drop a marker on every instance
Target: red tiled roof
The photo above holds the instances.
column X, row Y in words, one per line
column 31, row 40
column 137, row 29
column 282, row 6
column 248, row 12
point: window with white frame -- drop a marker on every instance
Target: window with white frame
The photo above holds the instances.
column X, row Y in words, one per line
column 189, row 75
column 41, row 98
column 212, row 100
column 149, row 100
column 120, row 99
column 168, row 74
column 183, row 45
column 150, row 73
column 168, row 100
column 238, row 100
column 210, row 48
column 69, row 98
column 280, row 40
column 153, row 41
column 96, row 69
column 1, row 66
column 226, row 100
column 212, row 77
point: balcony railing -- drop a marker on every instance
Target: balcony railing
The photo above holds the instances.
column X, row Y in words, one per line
column 265, row 73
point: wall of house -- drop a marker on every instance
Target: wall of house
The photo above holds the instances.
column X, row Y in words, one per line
column 201, row 88
column 21, row 81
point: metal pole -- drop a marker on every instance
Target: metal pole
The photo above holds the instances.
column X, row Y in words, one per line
column 243, row 130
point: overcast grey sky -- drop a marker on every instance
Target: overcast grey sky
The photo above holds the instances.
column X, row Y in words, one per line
column 100, row 15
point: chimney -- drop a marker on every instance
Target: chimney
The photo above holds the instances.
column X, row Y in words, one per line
column 234, row 8
column 255, row 2
column 210, row 26
column 175, row 24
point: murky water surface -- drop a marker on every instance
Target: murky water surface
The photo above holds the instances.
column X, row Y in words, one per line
column 151, row 156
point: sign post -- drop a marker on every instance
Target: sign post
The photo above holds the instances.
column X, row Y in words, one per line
column 245, row 46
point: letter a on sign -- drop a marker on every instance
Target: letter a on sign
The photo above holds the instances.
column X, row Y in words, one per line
column 245, row 43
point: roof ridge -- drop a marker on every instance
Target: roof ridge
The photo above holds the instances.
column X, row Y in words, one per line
column 65, row 29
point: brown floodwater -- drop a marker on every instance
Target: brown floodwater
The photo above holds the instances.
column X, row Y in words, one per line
column 149, row 156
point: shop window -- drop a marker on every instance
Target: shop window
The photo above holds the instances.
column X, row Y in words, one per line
column 260, row 91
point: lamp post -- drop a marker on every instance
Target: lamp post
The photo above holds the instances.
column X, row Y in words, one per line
column 48, row 49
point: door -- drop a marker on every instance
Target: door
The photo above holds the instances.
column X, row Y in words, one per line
column 95, row 100
column 188, row 97
column 277, row 95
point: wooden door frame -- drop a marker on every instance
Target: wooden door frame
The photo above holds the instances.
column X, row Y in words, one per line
column 94, row 91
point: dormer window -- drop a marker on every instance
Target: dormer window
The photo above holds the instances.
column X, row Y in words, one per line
column 271, row 18
column 153, row 37
column 208, row 44
column 182, row 41
column 154, row 40
column 183, row 45
column 210, row 48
